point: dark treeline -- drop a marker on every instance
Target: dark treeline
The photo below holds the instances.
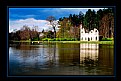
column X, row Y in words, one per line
column 69, row 27
column 103, row 20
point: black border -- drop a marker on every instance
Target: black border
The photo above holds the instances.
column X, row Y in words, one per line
column 51, row 3
column 57, row 7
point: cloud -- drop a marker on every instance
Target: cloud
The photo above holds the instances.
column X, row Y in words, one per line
column 36, row 16
column 18, row 24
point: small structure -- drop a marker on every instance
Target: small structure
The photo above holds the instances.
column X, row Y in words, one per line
column 92, row 35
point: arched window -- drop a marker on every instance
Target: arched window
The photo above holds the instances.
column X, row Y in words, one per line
column 96, row 38
column 91, row 38
column 82, row 38
column 88, row 39
column 85, row 38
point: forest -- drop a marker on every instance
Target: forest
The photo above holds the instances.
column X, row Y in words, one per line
column 69, row 27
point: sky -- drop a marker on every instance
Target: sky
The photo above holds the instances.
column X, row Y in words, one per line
column 37, row 16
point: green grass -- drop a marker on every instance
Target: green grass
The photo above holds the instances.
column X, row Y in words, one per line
column 71, row 40
column 93, row 42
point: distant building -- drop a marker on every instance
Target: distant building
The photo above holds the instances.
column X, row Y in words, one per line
column 92, row 35
column 41, row 34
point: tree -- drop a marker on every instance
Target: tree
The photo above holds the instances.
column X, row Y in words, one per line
column 34, row 33
column 43, row 31
column 64, row 28
column 107, row 25
column 90, row 19
column 70, row 25
column 53, row 23
column 14, row 35
column 27, row 33
column 81, row 17
column 50, row 34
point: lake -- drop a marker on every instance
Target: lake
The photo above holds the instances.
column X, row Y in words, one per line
column 60, row 59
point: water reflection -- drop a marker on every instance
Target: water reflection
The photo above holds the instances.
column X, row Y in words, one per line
column 106, row 58
column 98, row 59
column 68, row 53
column 60, row 59
column 89, row 54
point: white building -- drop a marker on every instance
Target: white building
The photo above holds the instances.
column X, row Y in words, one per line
column 93, row 35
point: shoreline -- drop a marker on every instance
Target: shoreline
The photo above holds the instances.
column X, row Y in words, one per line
column 94, row 42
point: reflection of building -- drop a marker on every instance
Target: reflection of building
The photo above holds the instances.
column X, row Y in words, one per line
column 88, row 51
column 93, row 35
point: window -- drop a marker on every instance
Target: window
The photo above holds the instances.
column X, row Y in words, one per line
column 88, row 39
column 96, row 38
column 91, row 38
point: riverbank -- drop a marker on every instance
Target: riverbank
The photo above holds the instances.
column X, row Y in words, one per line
column 95, row 42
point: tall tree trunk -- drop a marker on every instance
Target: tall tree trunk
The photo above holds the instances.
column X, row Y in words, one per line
column 54, row 32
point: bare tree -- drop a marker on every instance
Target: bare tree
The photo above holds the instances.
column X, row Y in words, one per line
column 53, row 23
column 27, row 33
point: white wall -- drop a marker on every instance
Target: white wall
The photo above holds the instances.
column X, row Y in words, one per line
column 93, row 35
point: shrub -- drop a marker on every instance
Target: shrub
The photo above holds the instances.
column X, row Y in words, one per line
column 107, row 39
column 46, row 39
column 51, row 39
column 35, row 39
column 60, row 39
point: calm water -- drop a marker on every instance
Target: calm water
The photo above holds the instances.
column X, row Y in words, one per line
column 61, row 59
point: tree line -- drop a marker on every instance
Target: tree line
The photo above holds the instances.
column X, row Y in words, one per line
column 25, row 33
column 103, row 20
column 69, row 27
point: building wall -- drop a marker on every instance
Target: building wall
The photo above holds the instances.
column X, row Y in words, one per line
column 93, row 35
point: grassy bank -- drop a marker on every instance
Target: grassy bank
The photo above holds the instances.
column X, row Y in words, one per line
column 93, row 42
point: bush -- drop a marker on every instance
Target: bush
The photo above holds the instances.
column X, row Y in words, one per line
column 57, row 39
column 46, row 39
column 107, row 39
column 49, row 39
column 60, row 39
column 35, row 39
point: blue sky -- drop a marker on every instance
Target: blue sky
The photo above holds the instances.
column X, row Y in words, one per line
column 37, row 16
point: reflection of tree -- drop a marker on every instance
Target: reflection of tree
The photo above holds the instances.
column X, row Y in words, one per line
column 89, row 61
column 51, row 51
column 25, row 50
column 68, row 53
column 54, row 54
column 25, row 46
column 106, row 56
